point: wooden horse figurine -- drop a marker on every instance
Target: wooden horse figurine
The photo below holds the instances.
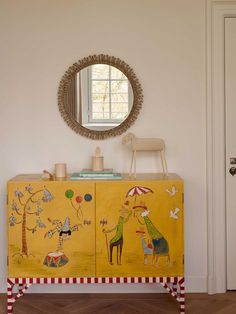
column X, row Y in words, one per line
column 145, row 145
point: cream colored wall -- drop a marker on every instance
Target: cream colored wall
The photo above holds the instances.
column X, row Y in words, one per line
column 163, row 40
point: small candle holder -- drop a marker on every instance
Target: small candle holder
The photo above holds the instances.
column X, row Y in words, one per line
column 97, row 160
column 60, row 171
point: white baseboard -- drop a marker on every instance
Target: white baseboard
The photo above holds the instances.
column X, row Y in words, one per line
column 193, row 284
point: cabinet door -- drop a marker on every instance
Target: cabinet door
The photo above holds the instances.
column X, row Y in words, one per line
column 51, row 229
column 139, row 228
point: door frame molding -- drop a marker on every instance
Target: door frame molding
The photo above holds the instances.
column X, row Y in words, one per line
column 216, row 12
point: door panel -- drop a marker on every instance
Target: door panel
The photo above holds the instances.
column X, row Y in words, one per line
column 51, row 229
column 230, row 88
column 139, row 235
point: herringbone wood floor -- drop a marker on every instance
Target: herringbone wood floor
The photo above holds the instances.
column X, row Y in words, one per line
column 121, row 304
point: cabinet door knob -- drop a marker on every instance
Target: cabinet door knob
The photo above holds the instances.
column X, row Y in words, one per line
column 232, row 171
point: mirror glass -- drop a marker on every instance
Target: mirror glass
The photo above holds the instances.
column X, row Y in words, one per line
column 100, row 97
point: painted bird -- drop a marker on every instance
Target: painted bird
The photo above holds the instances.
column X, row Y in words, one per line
column 173, row 191
column 173, row 213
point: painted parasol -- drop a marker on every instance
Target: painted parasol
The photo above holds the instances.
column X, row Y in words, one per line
column 138, row 190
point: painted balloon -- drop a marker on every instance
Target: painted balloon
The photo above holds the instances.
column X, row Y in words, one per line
column 69, row 193
column 88, row 197
column 79, row 199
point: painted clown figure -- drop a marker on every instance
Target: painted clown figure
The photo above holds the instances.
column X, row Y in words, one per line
column 58, row 258
column 160, row 244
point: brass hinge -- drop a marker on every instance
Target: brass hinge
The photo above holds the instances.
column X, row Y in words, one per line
column 183, row 198
column 7, row 199
column 7, row 260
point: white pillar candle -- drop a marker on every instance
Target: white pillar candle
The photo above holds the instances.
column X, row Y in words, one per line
column 60, row 170
column 97, row 163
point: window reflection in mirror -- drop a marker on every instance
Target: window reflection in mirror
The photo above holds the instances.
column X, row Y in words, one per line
column 103, row 97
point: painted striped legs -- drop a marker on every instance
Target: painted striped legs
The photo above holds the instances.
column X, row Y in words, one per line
column 174, row 285
column 11, row 299
column 177, row 290
column 10, row 286
column 181, row 298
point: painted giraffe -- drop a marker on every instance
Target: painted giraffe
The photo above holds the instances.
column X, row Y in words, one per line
column 160, row 244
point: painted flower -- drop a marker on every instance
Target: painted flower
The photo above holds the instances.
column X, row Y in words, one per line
column 39, row 210
column 14, row 206
column 47, row 196
column 40, row 223
column 18, row 193
column 12, row 220
column 29, row 188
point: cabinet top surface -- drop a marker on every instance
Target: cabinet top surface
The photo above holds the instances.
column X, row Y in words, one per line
column 125, row 177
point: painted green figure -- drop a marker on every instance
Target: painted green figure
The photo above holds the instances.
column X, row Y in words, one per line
column 117, row 240
column 152, row 230
column 160, row 244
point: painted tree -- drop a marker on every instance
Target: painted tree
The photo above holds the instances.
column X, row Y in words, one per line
column 26, row 204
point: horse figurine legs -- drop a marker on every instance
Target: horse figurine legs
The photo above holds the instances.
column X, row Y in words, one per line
column 165, row 170
column 131, row 166
column 133, row 162
column 162, row 162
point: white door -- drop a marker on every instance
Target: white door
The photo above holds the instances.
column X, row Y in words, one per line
column 230, row 119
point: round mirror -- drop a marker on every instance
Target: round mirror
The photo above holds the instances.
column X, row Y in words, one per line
column 99, row 97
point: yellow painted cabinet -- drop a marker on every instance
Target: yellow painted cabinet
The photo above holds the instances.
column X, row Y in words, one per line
column 95, row 228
